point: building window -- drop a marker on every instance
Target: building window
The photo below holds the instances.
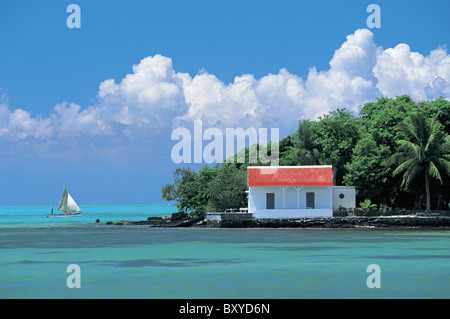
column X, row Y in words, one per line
column 270, row 200
column 310, row 203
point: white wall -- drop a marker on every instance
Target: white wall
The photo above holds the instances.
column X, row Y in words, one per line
column 292, row 213
column 349, row 200
column 257, row 198
column 323, row 205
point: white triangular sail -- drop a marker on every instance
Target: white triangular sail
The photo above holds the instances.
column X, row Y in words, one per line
column 67, row 204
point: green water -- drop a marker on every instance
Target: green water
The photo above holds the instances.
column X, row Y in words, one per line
column 143, row 262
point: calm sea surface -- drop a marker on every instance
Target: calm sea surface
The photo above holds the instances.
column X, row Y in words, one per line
column 143, row 262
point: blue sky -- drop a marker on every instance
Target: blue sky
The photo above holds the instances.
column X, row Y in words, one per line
column 94, row 107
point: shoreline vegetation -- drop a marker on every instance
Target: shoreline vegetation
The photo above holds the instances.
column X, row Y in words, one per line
column 395, row 152
column 182, row 219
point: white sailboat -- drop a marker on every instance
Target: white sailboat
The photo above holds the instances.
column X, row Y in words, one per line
column 68, row 206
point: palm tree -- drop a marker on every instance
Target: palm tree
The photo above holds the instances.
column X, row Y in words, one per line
column 425, row 151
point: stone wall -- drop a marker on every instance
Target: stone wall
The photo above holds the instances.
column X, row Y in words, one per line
column 339, row 222
column 228, row 219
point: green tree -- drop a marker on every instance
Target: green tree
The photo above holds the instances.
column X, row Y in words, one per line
column 304, row 150
column 337, row 134
column 227, row 188
column 286, row 144
column 183, row 190
column 366, row 170
column 425, row 151
column 440, row 106
column 201, row 199
column 380, row 118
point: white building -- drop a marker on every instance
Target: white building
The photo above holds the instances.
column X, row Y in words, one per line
column 295, row 191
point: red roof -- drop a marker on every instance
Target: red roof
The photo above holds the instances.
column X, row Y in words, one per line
column 290, row 175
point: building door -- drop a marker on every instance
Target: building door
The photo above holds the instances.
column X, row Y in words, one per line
column 310, row 203
column 270, row 200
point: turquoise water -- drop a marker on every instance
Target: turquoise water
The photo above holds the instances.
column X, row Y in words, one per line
column 36, row 215
column 143, row 262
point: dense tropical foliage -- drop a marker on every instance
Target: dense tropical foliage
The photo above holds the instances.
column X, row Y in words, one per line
column 396, row 153
column 424, row 152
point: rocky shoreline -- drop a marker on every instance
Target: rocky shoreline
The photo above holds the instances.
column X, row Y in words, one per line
column 180, row 219
column 185, row 220
column 344, row 222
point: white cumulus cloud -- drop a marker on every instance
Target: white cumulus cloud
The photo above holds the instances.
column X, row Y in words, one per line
column 400, row 71
column 154, row 96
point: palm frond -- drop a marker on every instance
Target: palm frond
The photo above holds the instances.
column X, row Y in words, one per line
column 424, row 150
column 410, row 174
column 404, row 166
column 409, row 147
column 434, row 172
column 397, row 158
column 443, row 163
column 409, row 131
column 432, row 133
column 446, row 144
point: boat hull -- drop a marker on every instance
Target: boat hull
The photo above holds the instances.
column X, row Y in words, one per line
column 65, row 215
